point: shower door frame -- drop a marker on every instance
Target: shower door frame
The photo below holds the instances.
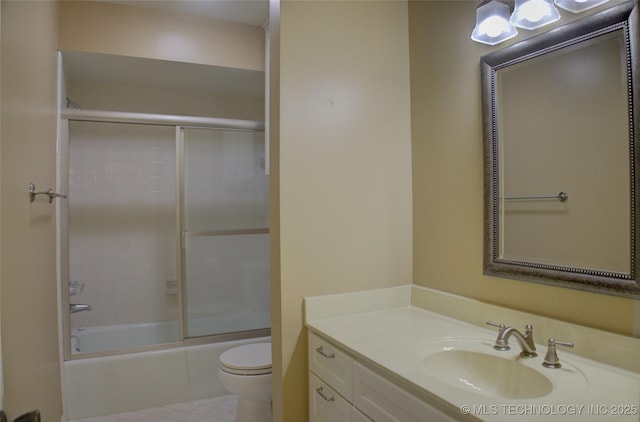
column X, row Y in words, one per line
column 180, row 123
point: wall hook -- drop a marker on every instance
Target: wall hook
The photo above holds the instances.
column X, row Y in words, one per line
column 50, row 193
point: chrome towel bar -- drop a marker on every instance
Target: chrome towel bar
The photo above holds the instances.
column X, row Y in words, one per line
column 562, row 197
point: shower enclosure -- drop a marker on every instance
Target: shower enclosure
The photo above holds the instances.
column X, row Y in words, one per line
column 164, row 235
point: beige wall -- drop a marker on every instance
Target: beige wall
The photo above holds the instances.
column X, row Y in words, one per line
column 28, row 267
column 447, row 177
column 94, row 96
column 344, row 170
column 141, row 32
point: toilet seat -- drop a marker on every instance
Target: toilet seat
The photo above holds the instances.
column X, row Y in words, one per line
column 250, row 359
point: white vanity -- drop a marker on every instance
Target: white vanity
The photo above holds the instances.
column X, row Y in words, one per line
column 374, row 356
column 354, row 391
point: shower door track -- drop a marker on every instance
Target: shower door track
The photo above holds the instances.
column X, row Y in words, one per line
column 229, row 232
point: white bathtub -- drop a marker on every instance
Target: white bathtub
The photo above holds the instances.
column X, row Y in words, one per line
column 121, row 383
column 120, row 337
column 128, row 336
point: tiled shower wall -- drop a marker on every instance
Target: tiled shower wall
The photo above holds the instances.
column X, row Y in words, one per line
column 122, row 222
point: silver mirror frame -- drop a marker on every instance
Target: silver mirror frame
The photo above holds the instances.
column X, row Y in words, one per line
column 623, row 16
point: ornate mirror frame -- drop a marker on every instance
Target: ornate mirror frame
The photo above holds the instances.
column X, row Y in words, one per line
column 623, row 16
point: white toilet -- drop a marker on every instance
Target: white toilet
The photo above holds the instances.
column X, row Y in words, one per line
column 246, row 372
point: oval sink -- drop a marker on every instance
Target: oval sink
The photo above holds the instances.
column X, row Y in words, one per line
column 487, row 374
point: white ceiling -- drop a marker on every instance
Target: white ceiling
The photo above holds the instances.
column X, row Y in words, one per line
column 253, row 12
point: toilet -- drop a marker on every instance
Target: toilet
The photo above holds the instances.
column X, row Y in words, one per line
column 246, row 372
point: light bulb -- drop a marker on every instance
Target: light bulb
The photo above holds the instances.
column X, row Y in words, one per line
column 577, row 6
column 535, row 10
column 492, row 23
column 533, row 14
column 494, row 26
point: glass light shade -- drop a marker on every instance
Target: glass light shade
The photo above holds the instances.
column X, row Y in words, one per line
column 492, row 24
column 533, row 14
column 577, row 6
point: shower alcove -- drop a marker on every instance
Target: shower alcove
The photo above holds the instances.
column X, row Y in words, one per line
column 165, row 230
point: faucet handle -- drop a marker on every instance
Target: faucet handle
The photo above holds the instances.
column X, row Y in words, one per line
column 493, row 324
column 501, row 343
column 551, row 358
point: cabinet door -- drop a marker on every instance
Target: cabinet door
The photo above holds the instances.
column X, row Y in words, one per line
column 325, row 404
column 358, row 416
column 383, row 401
column 331, row 364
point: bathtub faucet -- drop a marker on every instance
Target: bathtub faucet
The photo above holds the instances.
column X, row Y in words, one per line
column 78, row 307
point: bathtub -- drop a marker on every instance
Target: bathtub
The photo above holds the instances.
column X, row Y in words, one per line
column 128, row 336
column 119, row 337
column 134, row 381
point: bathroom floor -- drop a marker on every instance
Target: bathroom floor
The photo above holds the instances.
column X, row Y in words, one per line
column 218, row 409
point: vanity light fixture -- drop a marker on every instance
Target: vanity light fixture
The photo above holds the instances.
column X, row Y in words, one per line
column 533, row 14
column 492, row 23
column 577, row 6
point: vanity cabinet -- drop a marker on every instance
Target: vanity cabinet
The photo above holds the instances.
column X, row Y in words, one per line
column 342, row 389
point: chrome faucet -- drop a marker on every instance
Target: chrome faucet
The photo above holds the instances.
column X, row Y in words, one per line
column 78, row 307
column 525, row 341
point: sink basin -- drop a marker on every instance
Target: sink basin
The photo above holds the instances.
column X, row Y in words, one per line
column 487, row 374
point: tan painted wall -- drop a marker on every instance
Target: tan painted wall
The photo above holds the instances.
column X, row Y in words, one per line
column 142, row 32
column 94, row 96
column 28, row 267
column 344, row 167
column 447, row 177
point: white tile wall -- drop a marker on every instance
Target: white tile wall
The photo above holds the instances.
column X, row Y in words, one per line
column 122, row 221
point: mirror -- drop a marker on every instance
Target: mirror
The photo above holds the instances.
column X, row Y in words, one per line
column 561, row 155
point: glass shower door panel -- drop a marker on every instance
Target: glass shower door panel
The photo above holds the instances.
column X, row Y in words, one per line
column 228, row 284
column 225, row 232
column 225, row 186
column 122, row 231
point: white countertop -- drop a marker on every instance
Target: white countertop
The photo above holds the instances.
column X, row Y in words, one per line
column 396, row 340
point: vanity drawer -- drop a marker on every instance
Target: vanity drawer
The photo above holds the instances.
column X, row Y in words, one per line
column 384, row 401
column 358, row 416
column 332, row 365
column 325, row 404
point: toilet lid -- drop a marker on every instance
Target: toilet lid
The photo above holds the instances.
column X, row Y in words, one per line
column 250, row 359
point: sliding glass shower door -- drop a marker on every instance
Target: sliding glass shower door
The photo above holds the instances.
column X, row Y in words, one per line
column 164, row 236
column 224, row 231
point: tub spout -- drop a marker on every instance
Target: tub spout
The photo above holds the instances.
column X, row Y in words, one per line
column 78, row 307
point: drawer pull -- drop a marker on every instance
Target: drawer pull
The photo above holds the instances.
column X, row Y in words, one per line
column 323, row 353
column 320, row 391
